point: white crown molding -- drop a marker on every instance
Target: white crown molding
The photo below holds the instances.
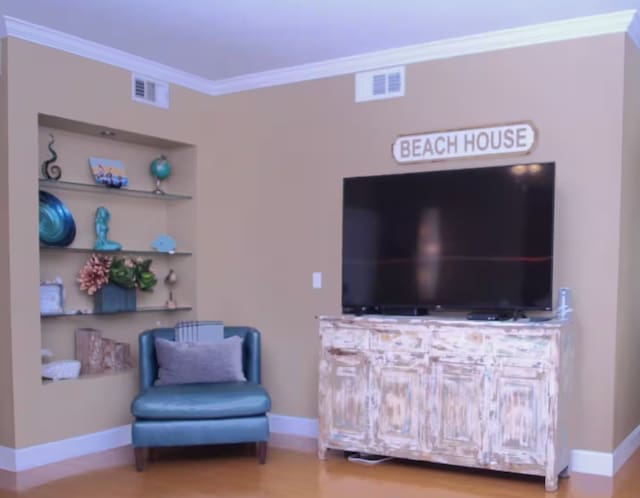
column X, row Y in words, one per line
column 633, row 30
column 615, row 22
column 52, row 38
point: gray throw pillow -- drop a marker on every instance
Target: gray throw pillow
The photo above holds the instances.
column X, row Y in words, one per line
column 196, row 362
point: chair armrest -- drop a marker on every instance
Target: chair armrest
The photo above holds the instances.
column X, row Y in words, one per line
column 147, row 354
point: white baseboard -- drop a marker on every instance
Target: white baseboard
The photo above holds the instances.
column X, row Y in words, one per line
column 16, row 460
column 592, row 462
column 7, row 458
column 626, row 448
column 298, row 426
column 582, row 461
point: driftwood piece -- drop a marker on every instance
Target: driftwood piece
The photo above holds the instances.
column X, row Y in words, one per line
column 99, row 354
column 116, row 356
column 89, row 351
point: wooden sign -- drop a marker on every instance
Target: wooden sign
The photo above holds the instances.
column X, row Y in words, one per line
column 516, row 138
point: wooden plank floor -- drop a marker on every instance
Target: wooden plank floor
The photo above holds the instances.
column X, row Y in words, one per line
column 233, row 472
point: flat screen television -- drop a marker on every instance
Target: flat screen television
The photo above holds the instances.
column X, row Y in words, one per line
column 470, row 239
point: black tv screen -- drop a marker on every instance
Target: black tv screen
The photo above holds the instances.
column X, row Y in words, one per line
column 471, row 239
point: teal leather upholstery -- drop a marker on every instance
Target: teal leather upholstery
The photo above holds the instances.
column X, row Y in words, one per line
column 223, row 400
column 200, row 414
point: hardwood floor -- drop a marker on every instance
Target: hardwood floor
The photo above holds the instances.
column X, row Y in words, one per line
column 235, row 472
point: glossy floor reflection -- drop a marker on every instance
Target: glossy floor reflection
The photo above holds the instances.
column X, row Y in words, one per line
column 233, row 472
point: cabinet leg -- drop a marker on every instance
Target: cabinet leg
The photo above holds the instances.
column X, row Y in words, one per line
column 551, row 483
column 322, row 452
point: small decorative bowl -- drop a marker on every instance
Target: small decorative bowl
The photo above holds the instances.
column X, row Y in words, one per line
column 61, row 369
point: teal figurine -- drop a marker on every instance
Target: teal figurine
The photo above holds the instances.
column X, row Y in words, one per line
column 102, row 228
column 161, row 170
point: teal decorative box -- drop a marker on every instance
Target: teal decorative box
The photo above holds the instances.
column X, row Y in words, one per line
column 113, row 298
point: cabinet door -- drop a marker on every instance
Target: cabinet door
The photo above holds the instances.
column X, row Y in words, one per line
column 344, row 384
column 520, row 417
column 456, row 418
column 398, row 394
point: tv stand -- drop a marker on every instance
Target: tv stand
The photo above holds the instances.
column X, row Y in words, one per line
column 490, row 395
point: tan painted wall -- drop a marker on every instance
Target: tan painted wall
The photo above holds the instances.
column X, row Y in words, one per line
column 276, row 205
column 91, row 92
column 269, row 168
column 6, row 385
column 627, row 394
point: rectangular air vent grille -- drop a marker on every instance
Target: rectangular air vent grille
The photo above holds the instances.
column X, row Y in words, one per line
column 150, row 91
column 380, row 84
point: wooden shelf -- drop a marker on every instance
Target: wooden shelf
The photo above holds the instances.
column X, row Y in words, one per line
column 145, row 309
column 101, row 189
column 87, row 250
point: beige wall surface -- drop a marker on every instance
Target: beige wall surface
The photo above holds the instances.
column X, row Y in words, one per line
column 627, row 393
column 268, row 179
column 275, row 198
column 90, row 92
column 6, row 385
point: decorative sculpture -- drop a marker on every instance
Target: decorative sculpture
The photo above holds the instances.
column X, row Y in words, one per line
column 102, row 227
column 170, row 281
column 160, row 170
column 51, row 171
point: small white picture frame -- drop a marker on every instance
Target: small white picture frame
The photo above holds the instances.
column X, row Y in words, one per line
column 51, row 298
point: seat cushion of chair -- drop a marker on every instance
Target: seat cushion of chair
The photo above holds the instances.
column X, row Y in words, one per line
column 201, row 401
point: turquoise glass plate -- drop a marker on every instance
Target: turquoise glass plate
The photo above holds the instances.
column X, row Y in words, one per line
column 55, row 223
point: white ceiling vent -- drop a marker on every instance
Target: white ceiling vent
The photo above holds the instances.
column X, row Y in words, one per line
column 380, row 84
column 149, row 91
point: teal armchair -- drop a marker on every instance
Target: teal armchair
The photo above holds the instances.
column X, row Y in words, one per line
column 200, row 414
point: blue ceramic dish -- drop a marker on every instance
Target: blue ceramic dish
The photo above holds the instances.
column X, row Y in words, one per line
column 55, row 223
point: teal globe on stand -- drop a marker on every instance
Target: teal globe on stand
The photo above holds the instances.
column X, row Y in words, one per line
column 161, row 170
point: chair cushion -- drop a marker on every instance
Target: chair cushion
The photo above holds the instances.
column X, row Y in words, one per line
column 202, row 401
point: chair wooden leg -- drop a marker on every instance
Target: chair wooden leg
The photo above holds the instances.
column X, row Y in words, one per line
column 139, row 454
column 262, row 451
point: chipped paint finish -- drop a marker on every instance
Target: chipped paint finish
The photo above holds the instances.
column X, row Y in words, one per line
column 451, row 391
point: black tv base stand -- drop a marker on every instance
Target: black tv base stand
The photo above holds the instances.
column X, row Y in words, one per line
column 492, row 315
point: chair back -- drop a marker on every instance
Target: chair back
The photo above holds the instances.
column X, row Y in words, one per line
column 148, row 363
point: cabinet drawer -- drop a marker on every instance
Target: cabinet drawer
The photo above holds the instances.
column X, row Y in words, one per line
column 346, row 338
column 530, row 347
column 399, row 340
column 453, row 341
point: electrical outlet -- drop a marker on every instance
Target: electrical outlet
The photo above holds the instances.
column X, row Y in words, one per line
column 316, row 280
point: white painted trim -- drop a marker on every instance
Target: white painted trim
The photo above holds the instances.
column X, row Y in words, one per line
column 634, row 30
column 3, row 29
column 16, row 460
column 582, row 461
column 7, row 459
column 592, row 462
column 615, row 22
column 298, row 426
column 52, row 38
column 625, row 449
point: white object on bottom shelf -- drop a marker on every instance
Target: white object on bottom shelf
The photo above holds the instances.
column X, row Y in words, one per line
column 62, row 369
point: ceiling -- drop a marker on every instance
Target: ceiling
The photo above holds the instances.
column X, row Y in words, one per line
column 223, row 39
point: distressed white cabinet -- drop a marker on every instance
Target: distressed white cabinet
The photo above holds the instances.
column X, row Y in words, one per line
column 490, row 395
